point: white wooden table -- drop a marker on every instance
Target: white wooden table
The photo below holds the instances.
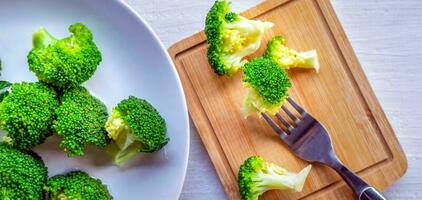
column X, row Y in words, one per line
column 387, row 37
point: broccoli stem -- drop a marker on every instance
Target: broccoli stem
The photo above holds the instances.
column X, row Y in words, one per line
column 124, row 145
column 120, row 156
column 249, row 26
column 311, row 60
column 280, row 182
column 291, row 181
column 42, row 38
column 6, row 139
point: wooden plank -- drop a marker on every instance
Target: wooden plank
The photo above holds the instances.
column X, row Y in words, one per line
column 339, row 96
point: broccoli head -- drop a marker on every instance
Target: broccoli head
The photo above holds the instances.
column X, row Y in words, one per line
column 26, row 114
column 288, row 58
column 80, row 121
column 76, row 185
column 135, row 126
column 64, row 62
column 269, row 86
column 257, row 176
column 231, row 37
column 21, row 175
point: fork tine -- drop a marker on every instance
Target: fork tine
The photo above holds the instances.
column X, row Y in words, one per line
column 295, row 106
column 276, row 128
column 291, row 115
column 285, row 123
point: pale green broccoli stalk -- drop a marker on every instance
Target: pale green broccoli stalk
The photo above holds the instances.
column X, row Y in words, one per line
column 269, row 86
column 135, row 126
column 231, row 37
column 76, row 185
column 257, row 176
column 64, row 62
column 288, row 58
column 26, row 114
column 22, row 176
column 80, row 121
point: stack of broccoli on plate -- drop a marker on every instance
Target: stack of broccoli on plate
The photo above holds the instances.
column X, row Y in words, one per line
column 232, row 39
column 80, row 118
column 57, row 103
column 23, row 175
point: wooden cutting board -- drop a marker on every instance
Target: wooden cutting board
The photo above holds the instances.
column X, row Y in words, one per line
column 339, row 96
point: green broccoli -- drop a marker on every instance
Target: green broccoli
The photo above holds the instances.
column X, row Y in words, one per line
column 231, row 37
column 269, row 86
column 26, row 114
column 80, row 121
column 135, row 126
column 21, row 175
column 66, row 62
column 4, row 86
column 76, row 185
column 257, row 176
column 288, row 58
column 4, row 89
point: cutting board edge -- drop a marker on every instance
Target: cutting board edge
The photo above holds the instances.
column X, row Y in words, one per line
column 397, row 153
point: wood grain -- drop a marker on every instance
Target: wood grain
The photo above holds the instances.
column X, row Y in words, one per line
column 339, row 96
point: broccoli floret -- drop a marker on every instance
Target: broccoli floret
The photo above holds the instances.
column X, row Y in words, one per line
column 21, row 175
column 269, row 86
column 64, row 62
column 80, row 121
column 231, row 37
column 257, row 176
column 76, row 185
column 288, row 58
column 26, row 114
column 135, row 126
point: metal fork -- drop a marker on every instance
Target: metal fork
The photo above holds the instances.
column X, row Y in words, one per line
column 309, row 140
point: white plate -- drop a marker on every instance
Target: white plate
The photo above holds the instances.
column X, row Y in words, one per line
column 134, row 63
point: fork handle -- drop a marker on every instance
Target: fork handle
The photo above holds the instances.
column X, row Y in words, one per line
column 362, row 190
